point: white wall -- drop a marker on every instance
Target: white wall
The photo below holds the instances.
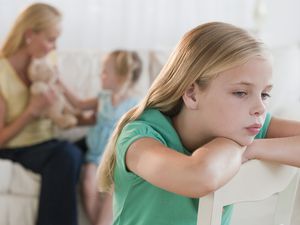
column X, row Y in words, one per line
column 103, row 25
column 156, row 24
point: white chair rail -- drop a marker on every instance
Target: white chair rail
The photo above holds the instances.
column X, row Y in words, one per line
column 255, row 181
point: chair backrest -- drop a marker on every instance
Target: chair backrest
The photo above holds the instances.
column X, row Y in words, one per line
column 255, row 181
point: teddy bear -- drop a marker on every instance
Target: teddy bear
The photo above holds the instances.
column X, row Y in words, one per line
column 43, row 75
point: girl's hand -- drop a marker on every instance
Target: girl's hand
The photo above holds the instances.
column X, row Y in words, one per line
column 249, row 153
column 244, row 158
column 38, row 103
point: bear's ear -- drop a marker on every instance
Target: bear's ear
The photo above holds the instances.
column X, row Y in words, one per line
column 40, row 70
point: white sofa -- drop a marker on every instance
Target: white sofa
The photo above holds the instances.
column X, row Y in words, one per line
column 19, row 192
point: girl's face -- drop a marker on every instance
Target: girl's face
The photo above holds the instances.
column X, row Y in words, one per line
column 234, row 104
column 110, row 80
column 41, row 43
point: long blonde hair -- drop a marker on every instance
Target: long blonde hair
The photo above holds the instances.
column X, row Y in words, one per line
column 201, row 54
column 36, row 17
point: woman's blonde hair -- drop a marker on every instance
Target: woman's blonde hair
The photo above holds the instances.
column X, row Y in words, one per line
column 199, row 57
column 37, row 17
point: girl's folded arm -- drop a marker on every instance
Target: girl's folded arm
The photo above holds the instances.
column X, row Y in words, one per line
column 284, row 150
column 207, row 169
column 283, row 128
column 282, row 144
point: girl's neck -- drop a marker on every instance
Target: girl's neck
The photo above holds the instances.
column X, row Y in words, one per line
column 190, row 138
column 118, row 97
column 121, row 93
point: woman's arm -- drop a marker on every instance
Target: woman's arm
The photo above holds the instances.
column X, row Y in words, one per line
column 33, row 110
column 282, row 144
column 87, row 104
column 207, row 169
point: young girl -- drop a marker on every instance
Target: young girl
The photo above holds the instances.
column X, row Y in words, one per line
column 187, row 137
column 121, row 70
column 25, row 137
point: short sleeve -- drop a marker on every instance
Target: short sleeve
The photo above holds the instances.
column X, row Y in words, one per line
column 130, row 133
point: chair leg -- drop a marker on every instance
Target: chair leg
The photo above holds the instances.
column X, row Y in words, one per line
column 209, row 213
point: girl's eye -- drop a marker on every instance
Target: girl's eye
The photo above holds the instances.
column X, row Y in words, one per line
column 240, row 93
column 265, row 96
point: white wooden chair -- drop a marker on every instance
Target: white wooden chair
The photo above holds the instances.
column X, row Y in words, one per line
column 255, row 181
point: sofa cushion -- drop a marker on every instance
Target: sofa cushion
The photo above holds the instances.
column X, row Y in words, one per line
column 15, row 179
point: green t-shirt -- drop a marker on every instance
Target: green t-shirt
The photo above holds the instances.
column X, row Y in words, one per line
column 137, row 202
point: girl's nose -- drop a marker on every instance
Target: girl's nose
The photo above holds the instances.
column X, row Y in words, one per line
column 258, row 108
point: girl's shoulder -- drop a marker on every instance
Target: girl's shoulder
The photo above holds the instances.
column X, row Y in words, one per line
column 153, row 123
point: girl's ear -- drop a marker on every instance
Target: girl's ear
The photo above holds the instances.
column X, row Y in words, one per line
column 191, row 96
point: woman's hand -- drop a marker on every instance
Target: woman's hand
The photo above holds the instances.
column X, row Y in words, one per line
column 35, row 107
